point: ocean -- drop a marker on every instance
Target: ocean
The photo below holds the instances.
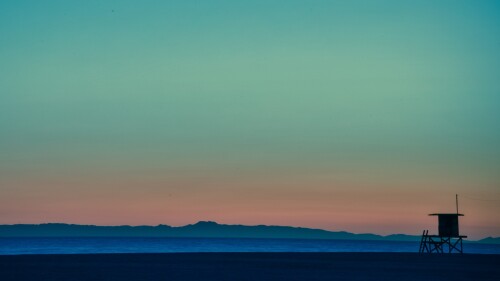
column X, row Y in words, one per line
column 87, row 245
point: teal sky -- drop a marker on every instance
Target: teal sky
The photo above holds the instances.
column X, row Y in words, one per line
column 306, row 113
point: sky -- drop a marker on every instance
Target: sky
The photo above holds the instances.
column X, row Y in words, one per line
column 363, row 116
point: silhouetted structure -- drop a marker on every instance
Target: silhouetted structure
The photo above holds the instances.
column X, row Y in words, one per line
column 448, row 239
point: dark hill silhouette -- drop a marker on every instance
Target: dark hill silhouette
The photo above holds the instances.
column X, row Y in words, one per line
column 200, row 229
column 490, row 240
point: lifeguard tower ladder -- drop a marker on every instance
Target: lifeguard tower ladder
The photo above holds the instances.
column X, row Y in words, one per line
column 448, row 240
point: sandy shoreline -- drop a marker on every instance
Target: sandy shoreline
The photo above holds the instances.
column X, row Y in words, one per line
column 251, row 266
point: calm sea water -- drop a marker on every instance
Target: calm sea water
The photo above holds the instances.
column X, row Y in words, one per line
column 16, row 246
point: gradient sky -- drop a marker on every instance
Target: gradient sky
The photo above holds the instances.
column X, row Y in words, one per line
column 362, row 116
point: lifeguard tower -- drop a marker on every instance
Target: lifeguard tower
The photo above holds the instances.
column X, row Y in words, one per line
column 448, row 240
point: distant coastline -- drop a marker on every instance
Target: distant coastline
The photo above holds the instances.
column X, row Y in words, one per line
column 206, row 229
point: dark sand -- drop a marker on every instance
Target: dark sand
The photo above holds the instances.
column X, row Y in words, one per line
column 251, row 266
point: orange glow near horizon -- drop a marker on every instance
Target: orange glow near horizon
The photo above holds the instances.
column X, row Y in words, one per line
column 327, row 204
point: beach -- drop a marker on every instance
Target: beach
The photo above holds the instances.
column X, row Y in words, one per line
column 250, row 266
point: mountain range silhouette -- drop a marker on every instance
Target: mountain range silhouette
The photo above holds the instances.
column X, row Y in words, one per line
column 205, row 229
